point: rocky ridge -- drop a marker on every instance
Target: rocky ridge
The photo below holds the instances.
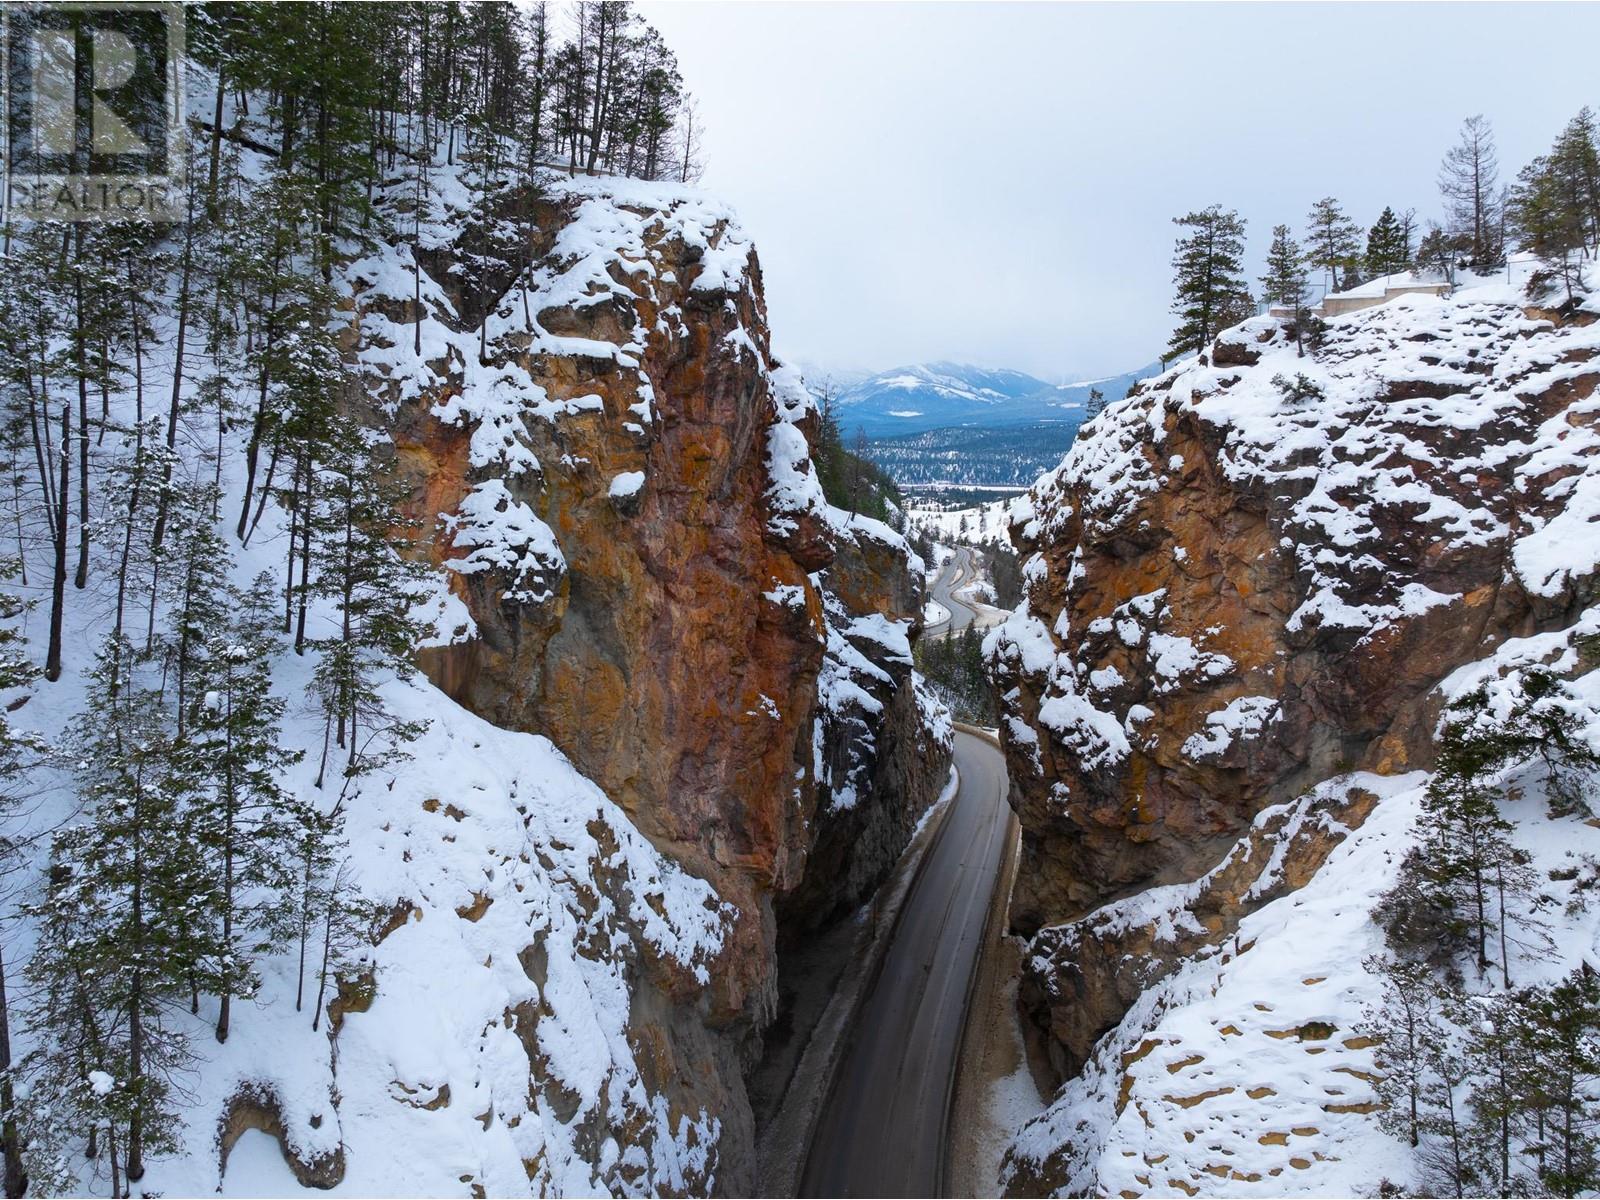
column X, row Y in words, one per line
column 1239, row 588
column 611, row 471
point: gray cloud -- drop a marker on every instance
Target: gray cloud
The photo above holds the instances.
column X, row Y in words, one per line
column 994, row 182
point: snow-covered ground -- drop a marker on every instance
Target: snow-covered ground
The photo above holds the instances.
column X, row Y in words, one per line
column 976, row 525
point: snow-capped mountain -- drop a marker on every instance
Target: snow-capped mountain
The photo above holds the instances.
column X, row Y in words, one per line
column 938, row 395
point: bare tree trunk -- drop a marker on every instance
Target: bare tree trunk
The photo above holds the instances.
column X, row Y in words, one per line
column 225, row 1008
column 172, row 411
column 16, row 1176
column 322, row 978
column 58, row 589
column 81, row 578
column 305, row 933
column 305, row 555
column 138, row 470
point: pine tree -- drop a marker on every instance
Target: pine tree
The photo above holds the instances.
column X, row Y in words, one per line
column 20, row 752
column 1388, row 252
column 252, row 829
column 1285, row 282
column 1332, row 240
column 1469, row 183
column 1549, row 223
column 1494, row 1043
column 1544, row 723
column 125, row 922
column 1208, row 278
column 373, row 592
column 34, row 307
column 1299, row 390
column 1405, row 1026
column 1096, row 404
column 1446, row 1151
column 1560, row 1029
column 195, row 587
column 1465, row 833
column 1575, row 162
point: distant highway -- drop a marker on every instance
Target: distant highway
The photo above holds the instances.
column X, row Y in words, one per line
column 884, row 1128
column 959, row 571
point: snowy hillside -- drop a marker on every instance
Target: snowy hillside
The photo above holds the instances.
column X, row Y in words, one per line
column 1282, row 584
column 1012, row 456
column 452, row 961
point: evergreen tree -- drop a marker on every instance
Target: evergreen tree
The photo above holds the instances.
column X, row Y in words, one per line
column 1096, row 404
column 1405, row 1026
column 125, row 923
column 1458, row 884
column 1299, row 390
column 253, row 831
column 953, row 666
column 1333, row 241
column 1446, row 1152
column 20, row 752
column 33, row 358
column 1575, row 162
column 1549, row 223
column 1498, row 1100
column 1543, row 723
column 1208, row 278
column 373, row 591
column 1560, row 1030
column 1388, row 250
column 1285, row 282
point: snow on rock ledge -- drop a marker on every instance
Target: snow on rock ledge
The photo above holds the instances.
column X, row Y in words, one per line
column 1232, row 597
column 613, row 471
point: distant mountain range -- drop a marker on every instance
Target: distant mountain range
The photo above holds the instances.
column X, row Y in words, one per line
column 928, row 396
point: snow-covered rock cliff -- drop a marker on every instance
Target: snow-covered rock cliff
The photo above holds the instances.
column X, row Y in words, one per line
column 1251, row 589
column 650, row 690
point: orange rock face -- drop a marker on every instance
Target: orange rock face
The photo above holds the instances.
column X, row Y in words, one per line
column 612, row 469
column 1234, row 594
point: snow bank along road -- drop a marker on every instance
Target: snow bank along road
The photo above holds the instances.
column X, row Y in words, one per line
column 958, row 570
column 883, row 1129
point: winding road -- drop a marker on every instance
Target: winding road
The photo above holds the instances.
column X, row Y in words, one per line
column 883, row 1130
column 959, row 571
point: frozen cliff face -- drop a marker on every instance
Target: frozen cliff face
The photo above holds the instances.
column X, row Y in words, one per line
column 882, row 739
column 613, row 473
column 1248, row 598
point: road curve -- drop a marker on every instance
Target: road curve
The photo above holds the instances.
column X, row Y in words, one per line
column 882, row 1131
column 958, row 571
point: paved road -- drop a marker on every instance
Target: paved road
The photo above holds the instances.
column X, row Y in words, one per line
column 959, row 571
column 883, row 1130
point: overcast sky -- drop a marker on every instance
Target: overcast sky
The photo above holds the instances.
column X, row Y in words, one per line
column 994, row 183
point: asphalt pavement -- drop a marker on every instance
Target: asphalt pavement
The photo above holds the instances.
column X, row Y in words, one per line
column 957, row 572
column 884, row 1127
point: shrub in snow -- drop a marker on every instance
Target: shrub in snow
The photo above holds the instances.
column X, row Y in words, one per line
column 1298, row 390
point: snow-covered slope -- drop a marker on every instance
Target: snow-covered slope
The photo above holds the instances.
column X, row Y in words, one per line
column 559, row 955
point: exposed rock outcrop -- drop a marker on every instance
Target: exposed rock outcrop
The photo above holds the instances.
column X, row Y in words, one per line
column 1233, row 595
column 612, row 471
column 882, row 739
